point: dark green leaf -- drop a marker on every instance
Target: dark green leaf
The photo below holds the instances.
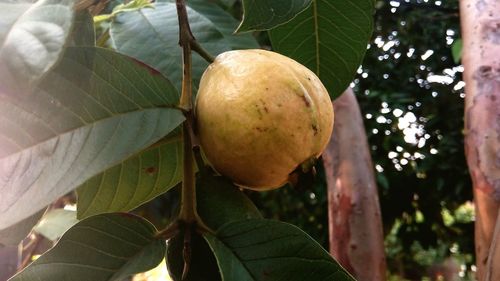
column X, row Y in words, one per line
column 203, row 265
column 94, row 110
column 83, row 33
column 32, row 38
column 151, row 36
column 330, row 38
column 265, row 14
column 269, row 250
column 225, row 23
column 101, row 248
column 227, row 3
column 134, row 181
column 220, row 202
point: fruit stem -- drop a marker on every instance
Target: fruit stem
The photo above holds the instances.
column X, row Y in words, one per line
column 185, row 38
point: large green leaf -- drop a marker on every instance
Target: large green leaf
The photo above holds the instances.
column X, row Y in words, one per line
column 32, row 38
column 134, row 181
column 265, row 14
column 219, row 202
column 330, row 38
column 101, row 248
column 259, row 249
column 225, row 23
column 94, row 110
column 151, row 36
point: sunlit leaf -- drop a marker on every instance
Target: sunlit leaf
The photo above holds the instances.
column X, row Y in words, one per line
column 101, row 248
column 55, row 222
column 330, row 38
column 456, row 50
column 94, row 110
column 32, row 38
column 152, row 36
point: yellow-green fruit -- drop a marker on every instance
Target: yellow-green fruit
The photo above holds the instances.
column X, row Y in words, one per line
column 260, row 115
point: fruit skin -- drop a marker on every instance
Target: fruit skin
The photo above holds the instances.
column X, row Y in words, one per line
column 260, row 115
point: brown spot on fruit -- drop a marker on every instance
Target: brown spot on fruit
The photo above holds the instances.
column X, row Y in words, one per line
column 315, row 128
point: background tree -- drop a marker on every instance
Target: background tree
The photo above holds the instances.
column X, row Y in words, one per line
column 355, row 222
column 480, row 25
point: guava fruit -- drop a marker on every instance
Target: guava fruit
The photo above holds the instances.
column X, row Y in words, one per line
column 260, row 115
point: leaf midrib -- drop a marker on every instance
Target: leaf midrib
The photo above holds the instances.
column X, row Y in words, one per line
column 41, row 142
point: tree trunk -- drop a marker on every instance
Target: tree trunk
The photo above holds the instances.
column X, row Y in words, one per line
column 355, row 225
column 493, row 267
column 481, row 60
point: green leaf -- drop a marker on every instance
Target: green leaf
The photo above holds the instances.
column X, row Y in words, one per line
column 330, row 38
column 101, row 248
column 269, row 250
column 83, row 33
column 456, row 50
column 227, row 3
column 158, row 30
column 55, row 222
column 134, row 181
column 203, row 265
column 15, row 234
column 94, row 110
column 225, row 23
column 265, row 14
column 32, row 39
column 220, row 202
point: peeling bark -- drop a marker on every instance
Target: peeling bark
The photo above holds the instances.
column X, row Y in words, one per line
column 355, row 224
column 481, row 59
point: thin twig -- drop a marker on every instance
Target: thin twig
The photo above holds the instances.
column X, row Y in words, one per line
column 195, row 46
column 169, row 232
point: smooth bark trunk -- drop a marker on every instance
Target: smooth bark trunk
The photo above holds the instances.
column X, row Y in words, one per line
column 493, row 267
column 355, row 224
column 480, row 21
